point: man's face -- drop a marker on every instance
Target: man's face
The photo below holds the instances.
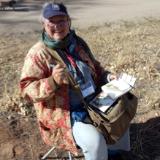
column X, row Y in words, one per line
column 57, row 27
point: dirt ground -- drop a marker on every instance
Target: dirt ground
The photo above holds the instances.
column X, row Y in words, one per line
column 84, row 13
column 122, row 46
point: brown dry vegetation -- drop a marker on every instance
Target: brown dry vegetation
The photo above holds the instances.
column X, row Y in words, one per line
column 124, row 47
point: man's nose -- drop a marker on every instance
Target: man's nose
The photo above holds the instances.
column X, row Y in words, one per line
column 58, row 25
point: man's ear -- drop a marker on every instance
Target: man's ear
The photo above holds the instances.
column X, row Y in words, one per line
column 42, row 21
column 69, row 22
column 43, row 24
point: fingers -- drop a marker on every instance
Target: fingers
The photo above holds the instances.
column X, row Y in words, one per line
column 59, row 66
column 59, row 74
column 112, row 77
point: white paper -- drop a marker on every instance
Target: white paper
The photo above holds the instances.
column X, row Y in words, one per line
column 128, row 79
column 112, row 90
column 102, row 102
column 118, row 87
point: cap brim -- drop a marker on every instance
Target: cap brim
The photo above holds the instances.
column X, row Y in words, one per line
column 49, row 15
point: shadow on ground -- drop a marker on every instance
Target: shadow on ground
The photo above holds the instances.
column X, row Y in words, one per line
column 145, row 138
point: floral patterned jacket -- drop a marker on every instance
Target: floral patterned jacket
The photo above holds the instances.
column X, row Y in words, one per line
column 51, row 102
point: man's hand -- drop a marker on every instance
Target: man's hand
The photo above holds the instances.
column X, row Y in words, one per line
column 111, row 77
column 59, row 74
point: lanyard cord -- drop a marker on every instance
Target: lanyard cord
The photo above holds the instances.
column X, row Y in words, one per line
column 68, row 58
column 74, row 65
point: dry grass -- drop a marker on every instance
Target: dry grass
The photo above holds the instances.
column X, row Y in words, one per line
column 125, row 47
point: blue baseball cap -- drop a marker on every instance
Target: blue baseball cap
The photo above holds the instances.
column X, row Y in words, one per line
column 54, row 9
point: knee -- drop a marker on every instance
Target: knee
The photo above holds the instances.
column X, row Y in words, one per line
column 95, row 142
column 90, row 141
column 97, row 147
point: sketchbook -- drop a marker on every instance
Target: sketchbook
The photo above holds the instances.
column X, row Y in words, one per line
column 112, row 91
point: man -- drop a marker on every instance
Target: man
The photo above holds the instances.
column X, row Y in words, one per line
column 55, row 71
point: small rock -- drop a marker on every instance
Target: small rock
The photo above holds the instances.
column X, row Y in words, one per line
column 6, row 151
column 18, row 150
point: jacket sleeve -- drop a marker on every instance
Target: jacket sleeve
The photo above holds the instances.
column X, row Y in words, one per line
column 36, row 83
